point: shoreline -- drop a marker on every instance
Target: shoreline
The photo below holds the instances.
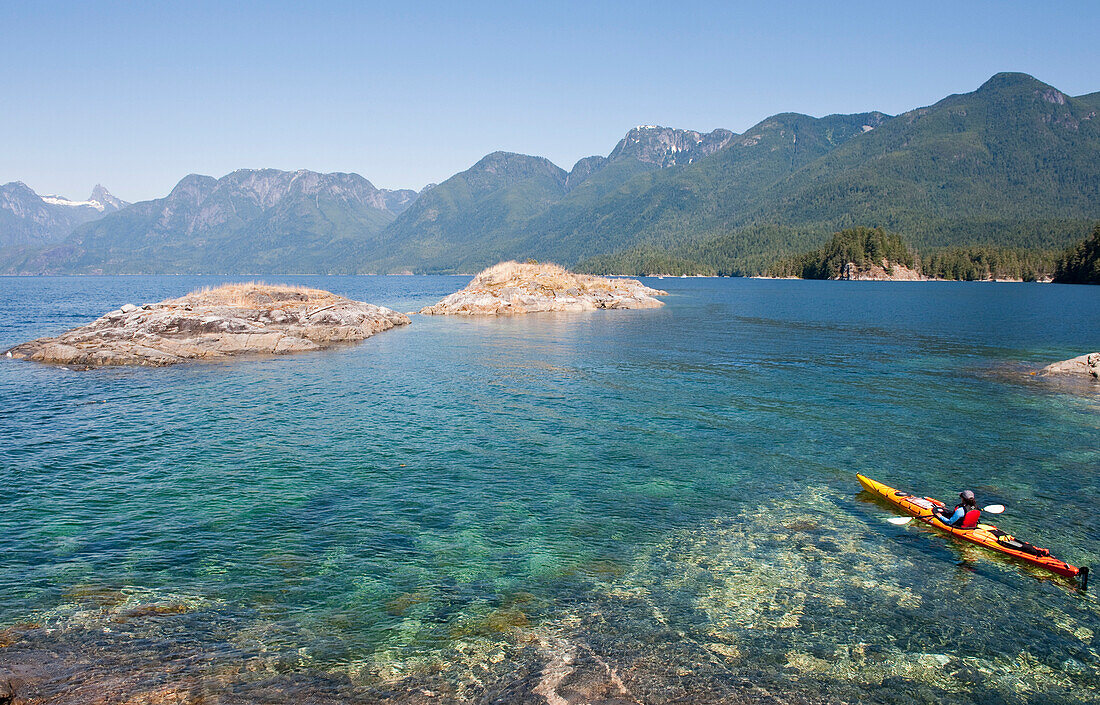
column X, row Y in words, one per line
column 616, row 276
column 914, row 281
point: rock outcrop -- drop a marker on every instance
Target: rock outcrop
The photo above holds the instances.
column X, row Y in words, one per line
column 667, row 146
column 210, row 324
column 511, row 288
column 1087, row 365
column 887, row 271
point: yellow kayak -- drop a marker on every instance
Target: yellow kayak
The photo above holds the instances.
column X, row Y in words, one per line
column 984, row 534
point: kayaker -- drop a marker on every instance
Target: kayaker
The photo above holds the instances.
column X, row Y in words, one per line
column 966, row 512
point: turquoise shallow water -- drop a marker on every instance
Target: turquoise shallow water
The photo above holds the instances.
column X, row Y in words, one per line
column 672, row 488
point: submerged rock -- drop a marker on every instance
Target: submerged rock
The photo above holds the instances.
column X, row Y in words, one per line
column 797, row 595
column 1087, row 365
column 511, row 288
column 212, row 324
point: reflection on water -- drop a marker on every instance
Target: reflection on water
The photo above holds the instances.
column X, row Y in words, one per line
column 627, row 506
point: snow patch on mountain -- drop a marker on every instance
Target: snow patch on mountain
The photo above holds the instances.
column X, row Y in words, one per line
column 62, row 201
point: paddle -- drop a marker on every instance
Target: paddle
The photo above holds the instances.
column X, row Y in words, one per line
column 991, row 509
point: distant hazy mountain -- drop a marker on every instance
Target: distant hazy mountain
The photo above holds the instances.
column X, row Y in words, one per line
column 1015, row 163
column 30, row 220
column 250, row 221
column 398, row 201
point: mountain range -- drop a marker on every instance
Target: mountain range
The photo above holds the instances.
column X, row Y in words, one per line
column 1015, row 163
column 252, row 220
column 27, row 219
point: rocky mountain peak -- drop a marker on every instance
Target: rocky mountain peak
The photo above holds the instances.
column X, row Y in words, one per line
column 193, row 187
column 667, row 146
column 16, row 195
column 105, row 198
column 398, row 200
column 268, row 188
column 36, row 219
column 20, row 199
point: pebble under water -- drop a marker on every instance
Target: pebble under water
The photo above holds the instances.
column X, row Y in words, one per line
column 626, row 506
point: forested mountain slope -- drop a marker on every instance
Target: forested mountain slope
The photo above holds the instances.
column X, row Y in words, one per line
column 1016, row 157
column 1013, row 164
column 1016, row 163
column 524, row 206
column 464, row 221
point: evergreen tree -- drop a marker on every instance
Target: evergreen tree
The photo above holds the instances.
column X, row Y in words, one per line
column 1080, row 264
column 864, row 247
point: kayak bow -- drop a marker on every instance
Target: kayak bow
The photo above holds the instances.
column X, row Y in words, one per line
column 984, row 535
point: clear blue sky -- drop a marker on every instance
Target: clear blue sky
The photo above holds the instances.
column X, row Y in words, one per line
column 135, row 95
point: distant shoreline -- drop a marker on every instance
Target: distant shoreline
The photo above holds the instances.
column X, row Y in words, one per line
column 916, row 281
column 647, row 276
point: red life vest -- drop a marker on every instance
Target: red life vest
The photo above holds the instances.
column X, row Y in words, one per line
column 970, row 519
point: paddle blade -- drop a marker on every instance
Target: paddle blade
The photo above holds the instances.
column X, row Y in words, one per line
column 994, row 508
column 900, row 521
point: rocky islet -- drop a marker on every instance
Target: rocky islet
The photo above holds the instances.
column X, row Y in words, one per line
column 261, row 319
column 1085, row 366
column 512, row 288
column 212, row 324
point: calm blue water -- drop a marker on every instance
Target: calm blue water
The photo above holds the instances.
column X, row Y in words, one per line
column 673, row 486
